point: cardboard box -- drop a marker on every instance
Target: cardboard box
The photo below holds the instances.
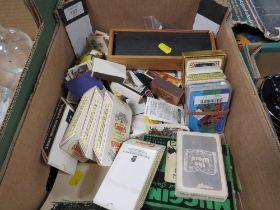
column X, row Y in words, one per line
column 262, row 60
column 254, row 145
column 36, row 18
column 127, row 191
column 140, row 48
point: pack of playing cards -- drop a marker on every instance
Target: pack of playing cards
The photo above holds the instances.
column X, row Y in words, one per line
column 113, row 128
column 70, row 140
column 91, row 123
column 80, row 135
column 200, row 167
column 207, row 105
column 162, row 193
column 127, row 182
column 51, row 152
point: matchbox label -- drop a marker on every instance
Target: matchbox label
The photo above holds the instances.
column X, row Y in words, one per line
column 119, row 131
column 198, row 160
column 77, row 152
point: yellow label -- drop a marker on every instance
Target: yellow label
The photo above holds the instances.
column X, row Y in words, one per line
column 86, row 58
column 165, row 48
column 148, row 121
column 116, row 93
column 76, row 178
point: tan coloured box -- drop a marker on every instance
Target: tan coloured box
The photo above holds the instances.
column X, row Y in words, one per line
column 254, row 145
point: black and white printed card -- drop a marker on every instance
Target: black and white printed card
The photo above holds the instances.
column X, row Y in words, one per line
column 209, row 16
column 76, row 20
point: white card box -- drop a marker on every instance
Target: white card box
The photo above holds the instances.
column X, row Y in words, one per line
column 113, row 129
column 107, row 70
column 200, row 167
column 52, row 154
column 89, row 130
column 70, row 141
column 127, row 182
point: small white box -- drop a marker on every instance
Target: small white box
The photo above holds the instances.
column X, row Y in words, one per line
column 123, row 90
column 127, row 182
column 113, row 129
column 89, row 131
column 70, row 141
column 200, row 167
column 107, row 70
column 52, row 153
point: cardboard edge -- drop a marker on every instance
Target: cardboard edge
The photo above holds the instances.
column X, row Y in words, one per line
column 273, row 143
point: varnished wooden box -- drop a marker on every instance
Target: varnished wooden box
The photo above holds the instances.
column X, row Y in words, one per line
column 138, row 48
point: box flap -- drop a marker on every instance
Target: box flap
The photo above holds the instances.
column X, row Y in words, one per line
column 249, row 132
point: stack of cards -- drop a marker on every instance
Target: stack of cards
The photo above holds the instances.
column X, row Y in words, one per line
column 207, row 105
column 162, row 191
column 203, row 66
column 200, row 167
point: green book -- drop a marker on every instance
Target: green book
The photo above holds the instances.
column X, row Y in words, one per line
column 162, row 194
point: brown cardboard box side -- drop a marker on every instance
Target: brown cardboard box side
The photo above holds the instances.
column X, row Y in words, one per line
column 268, row 63
column 253, row 143
column 14, row 13
column 251, row 138
column 24, row 182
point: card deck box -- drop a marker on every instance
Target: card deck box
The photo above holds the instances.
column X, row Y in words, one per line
column 138, row 48
column 200, row 167
column 51, row 152
column 195, row 61
column 207, row 106
column 128, row 180
column 167, row 91
column 162, row 193
column 91, row 123
column 106, row 70
column 72, row 135
column 113, row 129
